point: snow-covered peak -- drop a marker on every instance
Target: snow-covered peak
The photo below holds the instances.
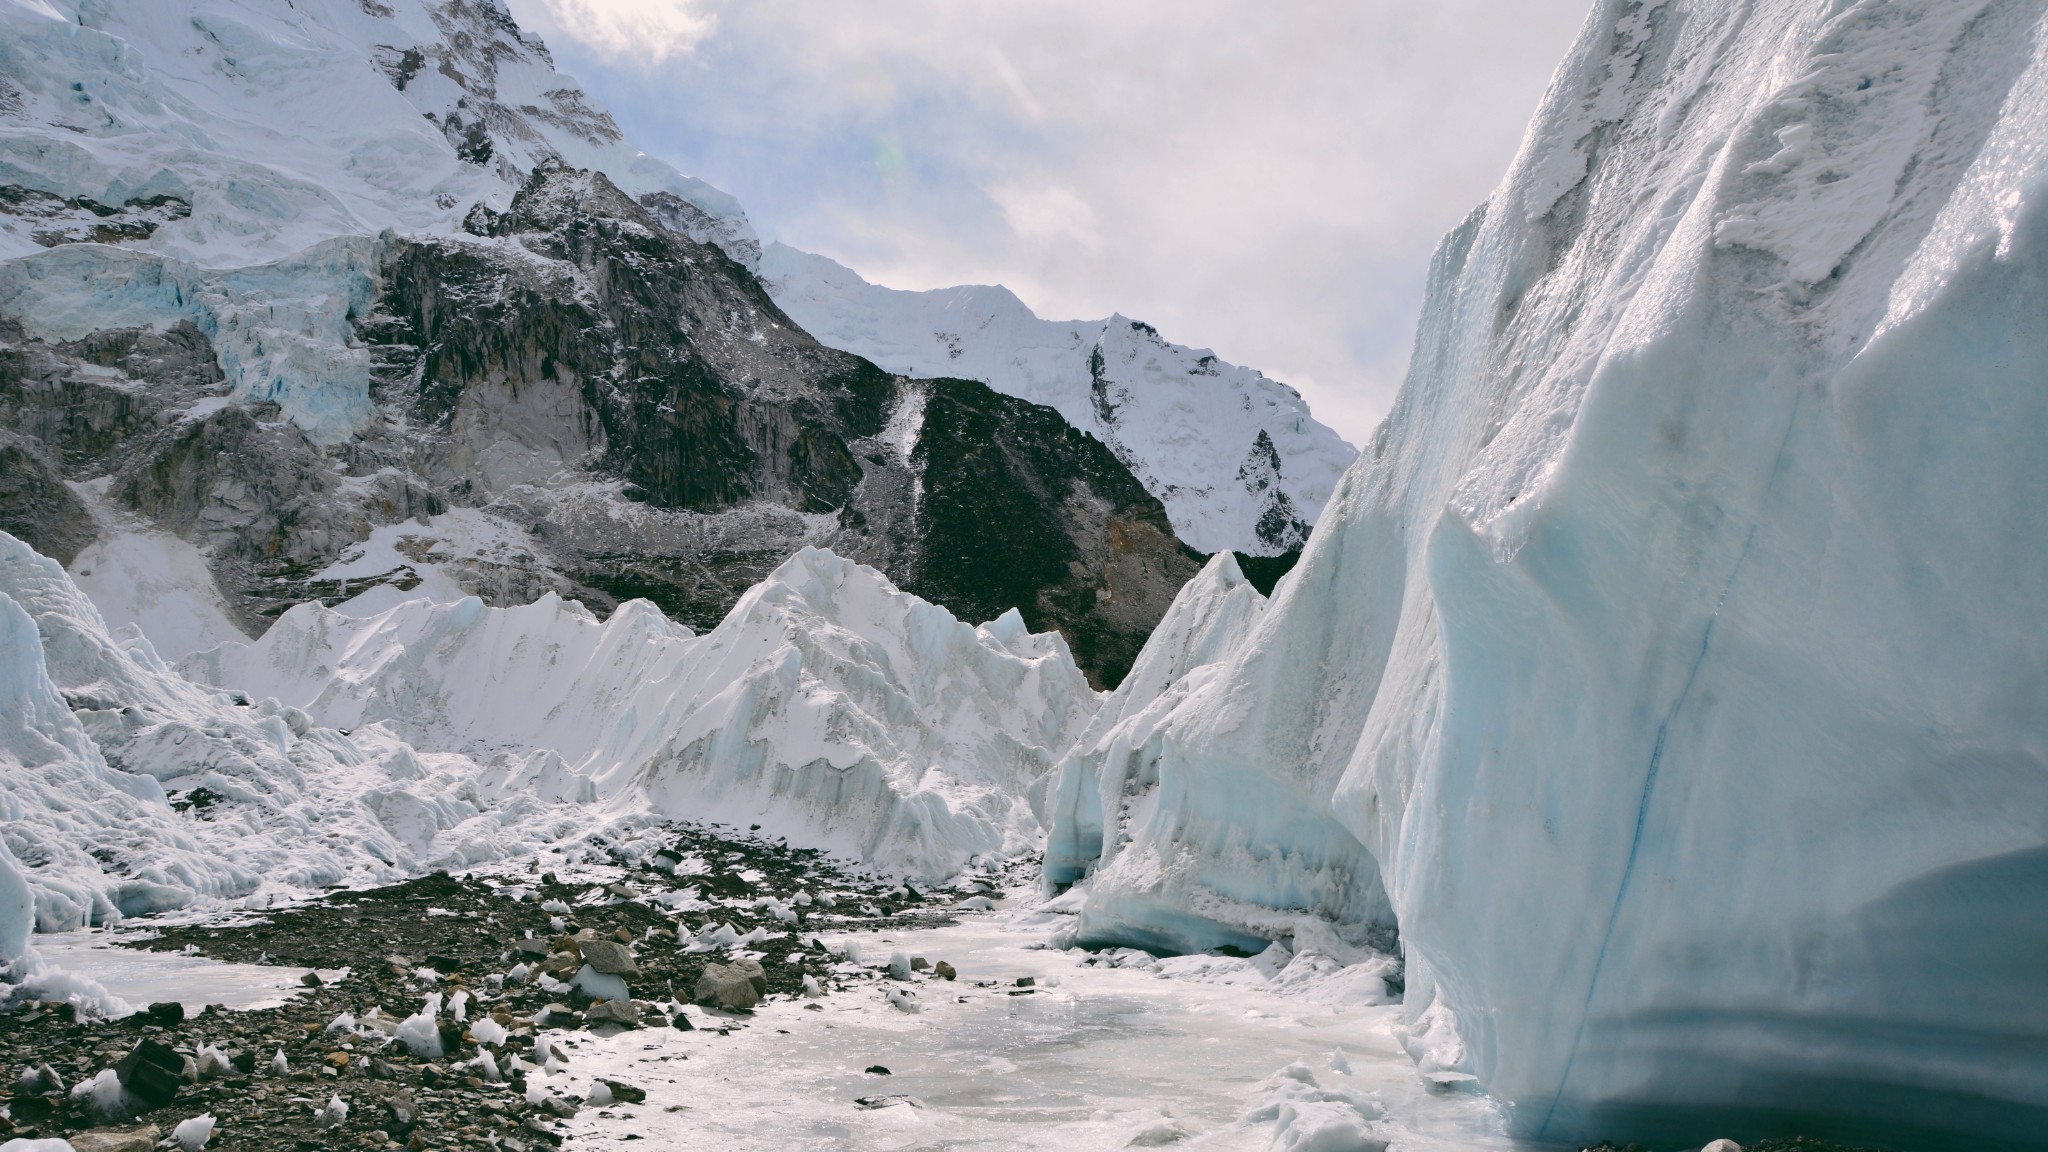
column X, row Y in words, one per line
column 1236, row 458
column 253, row 130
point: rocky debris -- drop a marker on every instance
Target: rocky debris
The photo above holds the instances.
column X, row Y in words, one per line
column 266, row 1074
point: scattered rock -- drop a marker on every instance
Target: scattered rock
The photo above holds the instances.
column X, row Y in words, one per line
column 877, row 1070
column 310, row 980
column 919, row 964
column 1026, row 981
column 166, row 1013
column 624, row 1093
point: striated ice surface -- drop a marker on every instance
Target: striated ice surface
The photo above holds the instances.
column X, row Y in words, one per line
column 1671, row 657
column 828, row 705
column 1236, row 458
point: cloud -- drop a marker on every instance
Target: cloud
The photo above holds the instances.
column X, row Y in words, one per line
column 1040, row 216
column 647, row 32
column 1265, row 179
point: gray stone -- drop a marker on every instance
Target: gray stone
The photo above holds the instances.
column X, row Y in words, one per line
column 141, row 1139
column 609, row 957
column 620, row 1012
column 727, row 986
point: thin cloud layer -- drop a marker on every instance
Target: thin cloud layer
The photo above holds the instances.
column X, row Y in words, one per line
column 1264, row 179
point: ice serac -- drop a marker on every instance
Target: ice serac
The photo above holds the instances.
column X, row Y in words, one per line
column 1674, row 647
column 828, row 706
column 125, row 788
column 1236, row 458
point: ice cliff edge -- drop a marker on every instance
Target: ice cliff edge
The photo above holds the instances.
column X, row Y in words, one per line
column 1674, row 649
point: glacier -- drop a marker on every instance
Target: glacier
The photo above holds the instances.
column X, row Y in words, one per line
column 844, row 713
column 1236, row 458
column 829, row 707
column 1670, row 659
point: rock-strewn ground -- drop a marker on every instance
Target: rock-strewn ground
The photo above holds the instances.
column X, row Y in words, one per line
column 447, row 935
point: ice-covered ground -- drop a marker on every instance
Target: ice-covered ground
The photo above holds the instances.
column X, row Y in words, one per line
column 1218, row 1055
column 142, row 978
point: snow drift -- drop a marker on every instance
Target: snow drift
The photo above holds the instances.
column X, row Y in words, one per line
column 828, row 706
column 1235, row 457
column 1672, row 654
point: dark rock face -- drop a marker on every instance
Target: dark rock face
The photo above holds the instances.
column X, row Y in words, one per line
column 623, row 412
column 34, row 503
column 1020, row 509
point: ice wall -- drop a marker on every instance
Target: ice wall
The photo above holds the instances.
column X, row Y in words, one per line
column 1674, row 647
column 828, row 706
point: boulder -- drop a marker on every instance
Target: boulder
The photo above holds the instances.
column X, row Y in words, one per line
column 609, row 957
column 727, row 986
column 620, row 1012
column 152, row 1071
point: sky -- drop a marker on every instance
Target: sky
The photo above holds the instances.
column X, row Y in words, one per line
column 1265, row 178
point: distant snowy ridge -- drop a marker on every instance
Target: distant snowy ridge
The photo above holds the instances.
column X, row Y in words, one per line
column 1236, row 458
column 1671, row 658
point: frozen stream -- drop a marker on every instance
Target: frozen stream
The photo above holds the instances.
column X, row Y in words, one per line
column 1107, row 1058
column 1093, row 1058
column 142, row 978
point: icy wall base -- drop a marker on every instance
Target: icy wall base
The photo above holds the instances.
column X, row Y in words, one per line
column 1674, row 649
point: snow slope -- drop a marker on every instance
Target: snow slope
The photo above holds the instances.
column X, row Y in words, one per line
column 283, row 125
column 268, row 146
column 828, row 705
column 1673, row 649
column 1235, row 457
